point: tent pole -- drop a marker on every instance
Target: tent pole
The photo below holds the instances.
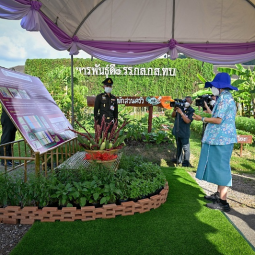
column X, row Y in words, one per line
column 72, row 89
column 173, row 20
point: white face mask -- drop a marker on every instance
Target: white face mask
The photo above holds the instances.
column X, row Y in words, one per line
column 108, row 90
column 212, row 102
column 187, row 104
column 215, row 91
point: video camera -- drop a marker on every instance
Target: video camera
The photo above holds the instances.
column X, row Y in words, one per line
column 178, row 103
column 202, row 99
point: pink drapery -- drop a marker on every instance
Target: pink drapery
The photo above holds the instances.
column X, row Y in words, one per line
column 32, row 19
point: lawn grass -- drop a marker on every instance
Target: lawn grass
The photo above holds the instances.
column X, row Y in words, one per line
column 183, row 225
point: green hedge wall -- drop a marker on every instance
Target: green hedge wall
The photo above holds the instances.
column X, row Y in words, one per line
column 184, row 83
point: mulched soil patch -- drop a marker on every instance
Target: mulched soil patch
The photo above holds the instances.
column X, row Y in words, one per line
column 10, row 235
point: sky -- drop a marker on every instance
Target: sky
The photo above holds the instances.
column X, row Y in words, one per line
column 17, row 45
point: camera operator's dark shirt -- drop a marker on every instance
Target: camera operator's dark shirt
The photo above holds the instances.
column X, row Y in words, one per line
column 184, row 128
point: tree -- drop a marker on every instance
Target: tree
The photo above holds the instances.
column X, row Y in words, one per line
column 202, row 90
column 246, row 85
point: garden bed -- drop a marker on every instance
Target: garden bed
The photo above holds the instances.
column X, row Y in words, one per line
column 28, row 214
column 83, row 192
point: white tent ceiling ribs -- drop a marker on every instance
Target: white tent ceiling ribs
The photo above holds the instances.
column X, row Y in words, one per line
column 196, row 21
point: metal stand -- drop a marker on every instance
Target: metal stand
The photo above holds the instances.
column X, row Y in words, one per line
column 177, row 136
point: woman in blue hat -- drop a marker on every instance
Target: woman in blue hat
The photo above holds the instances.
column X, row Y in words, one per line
column 218, row 142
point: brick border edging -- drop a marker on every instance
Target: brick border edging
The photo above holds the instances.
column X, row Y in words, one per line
column 28, row 214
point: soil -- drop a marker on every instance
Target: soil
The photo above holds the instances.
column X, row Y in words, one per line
column 10, row 235
column 152, row 152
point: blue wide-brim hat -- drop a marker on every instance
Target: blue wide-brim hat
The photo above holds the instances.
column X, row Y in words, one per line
column 221, row 81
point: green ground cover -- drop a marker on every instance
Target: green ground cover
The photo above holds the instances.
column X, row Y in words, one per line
column 183, row 225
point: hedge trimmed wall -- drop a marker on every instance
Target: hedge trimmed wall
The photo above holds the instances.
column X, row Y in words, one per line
column 184, row 83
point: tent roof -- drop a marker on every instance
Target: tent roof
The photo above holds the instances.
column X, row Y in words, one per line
column 133, row 32
column 195, row 21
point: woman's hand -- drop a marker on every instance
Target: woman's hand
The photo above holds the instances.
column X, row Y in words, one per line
column 206, row 105
column 196, row 117
column 207, row 120
column 208, row 110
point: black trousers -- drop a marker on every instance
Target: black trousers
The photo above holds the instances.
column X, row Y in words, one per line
column 183, row 151
column 8, row 134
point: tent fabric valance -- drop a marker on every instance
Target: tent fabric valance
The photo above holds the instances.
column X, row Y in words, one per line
column 60, row 37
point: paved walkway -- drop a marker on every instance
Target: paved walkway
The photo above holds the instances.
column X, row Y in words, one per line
column 242, row 201
column 244, row 221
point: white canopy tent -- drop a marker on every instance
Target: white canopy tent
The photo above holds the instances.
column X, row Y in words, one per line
column 137, row 31
column 191, row 21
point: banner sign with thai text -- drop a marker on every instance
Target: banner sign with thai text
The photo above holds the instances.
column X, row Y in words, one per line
column 160, row 101
column 33, row 111
column 112, row 70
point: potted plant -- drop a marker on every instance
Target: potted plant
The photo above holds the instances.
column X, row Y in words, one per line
column 104, row 145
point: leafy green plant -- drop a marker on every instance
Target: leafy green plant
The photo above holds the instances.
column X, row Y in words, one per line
column 122, row 182
column 95, row 184
column 135, row 189
column 3, row 190
column 63, row 192
column 147, row 137
column 110, row 192
column 159, row 137
column 79, row 193
column 103, row 139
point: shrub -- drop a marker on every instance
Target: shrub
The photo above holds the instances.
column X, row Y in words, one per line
column 246, row 124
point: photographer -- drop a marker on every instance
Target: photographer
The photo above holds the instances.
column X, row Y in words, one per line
column 183, row 117
column 207, row 102
column 208, row 109
column 218, row 142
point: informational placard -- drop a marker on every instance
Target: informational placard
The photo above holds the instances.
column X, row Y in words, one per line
column 33, row 111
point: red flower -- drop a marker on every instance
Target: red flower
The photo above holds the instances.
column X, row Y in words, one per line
column 87, row 156
column 100, row 156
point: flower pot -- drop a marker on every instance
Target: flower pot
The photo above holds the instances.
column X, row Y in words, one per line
column 110, row 152
column 101, row 155
column 106, row 158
